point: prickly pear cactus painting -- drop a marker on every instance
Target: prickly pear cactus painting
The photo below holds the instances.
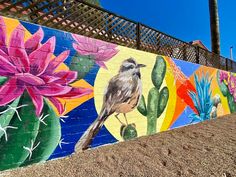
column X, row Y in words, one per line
column 227, row 84
column 63, row 92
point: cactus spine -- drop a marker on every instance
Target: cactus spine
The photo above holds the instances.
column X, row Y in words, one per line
column 157, row 99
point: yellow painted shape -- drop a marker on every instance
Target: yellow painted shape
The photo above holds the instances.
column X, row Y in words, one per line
column 103, row 77
column 11, row 24
column 163, row 122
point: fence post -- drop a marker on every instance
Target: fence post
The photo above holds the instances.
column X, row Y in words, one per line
column 219, row 59
column 197, row 55
column 138, row 35
column 226, row 64
column 109, row 27
column 231, row 65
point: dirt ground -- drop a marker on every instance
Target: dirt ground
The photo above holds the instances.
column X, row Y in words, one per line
column 203, row 150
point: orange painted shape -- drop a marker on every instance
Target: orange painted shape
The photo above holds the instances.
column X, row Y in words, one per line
column 71, row 104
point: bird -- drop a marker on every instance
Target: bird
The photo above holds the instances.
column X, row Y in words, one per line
column 122, row 95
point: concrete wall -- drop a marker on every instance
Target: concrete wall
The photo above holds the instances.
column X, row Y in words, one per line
column 62, row 92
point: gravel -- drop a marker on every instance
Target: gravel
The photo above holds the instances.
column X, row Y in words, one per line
column 204, row 150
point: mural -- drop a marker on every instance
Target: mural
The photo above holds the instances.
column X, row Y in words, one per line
column 61, row 92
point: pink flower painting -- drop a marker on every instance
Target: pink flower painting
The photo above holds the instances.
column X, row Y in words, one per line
column 230, row 81
column 100, row 51
column 30, row 66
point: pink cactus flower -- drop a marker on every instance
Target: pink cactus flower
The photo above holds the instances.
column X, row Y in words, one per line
column 29, row 67
column 223, row 76
column 232, row 86
column 99, row 50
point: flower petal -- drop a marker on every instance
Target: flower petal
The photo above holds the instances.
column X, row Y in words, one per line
column 76, row 93
column 37, row 99
column 11, row 90
column 57, row 61
column 104, row 55
column 6, row 65
column 101, row 64
column 40, row 58
column 3, row 54
column 34, row 41
column 87, row 44
column 65, row 77
column 17, row 53
column 84, row 49
column 3, row 46
column 53, row 89
column 49, row 78
column 30, row 79
column 57, row 104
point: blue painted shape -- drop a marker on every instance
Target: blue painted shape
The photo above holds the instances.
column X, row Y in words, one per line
column 183, row 119
column 76, row 124
column 64, row 40
column 186, row 67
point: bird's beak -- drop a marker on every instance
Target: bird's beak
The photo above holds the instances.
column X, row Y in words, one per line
column 141, row 65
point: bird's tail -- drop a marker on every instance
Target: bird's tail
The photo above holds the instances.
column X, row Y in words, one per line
column 91, row 132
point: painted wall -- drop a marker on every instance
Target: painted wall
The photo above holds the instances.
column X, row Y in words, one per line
column 60, row 92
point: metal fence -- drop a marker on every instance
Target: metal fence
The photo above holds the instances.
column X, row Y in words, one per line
column 82, row 18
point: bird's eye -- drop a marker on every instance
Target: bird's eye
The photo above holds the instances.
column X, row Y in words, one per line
column 131, row 67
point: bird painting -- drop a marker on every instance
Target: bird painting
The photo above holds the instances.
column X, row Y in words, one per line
column 121, row 96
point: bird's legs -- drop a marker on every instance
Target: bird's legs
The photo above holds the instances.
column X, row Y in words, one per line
column 126, row 119
column 116, row 115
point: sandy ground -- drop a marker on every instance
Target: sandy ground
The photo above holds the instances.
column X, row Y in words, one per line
column 203, row 150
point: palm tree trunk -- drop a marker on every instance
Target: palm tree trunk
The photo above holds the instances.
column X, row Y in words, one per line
column 214, row 22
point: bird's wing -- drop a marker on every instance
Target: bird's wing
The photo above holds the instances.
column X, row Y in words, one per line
column 119, row 90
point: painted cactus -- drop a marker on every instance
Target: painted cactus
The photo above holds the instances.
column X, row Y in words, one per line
column 202, row 99
column 227, row 84
column 81, row 64
column 128, row 132
column 157, row 97
column 22, row 141
column 30, row 84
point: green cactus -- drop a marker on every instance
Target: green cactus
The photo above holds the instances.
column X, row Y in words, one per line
column 6, row 113
column 81, row 64
column 7, row 116
column 25, row 132
column 49, row 135
column 128, row 132
column 13, row 153
column 225, row 91
column 158, row 72
column 142, row 108
column 157, row 99
column 231, row 103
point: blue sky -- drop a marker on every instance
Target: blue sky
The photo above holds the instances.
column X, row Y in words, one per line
column 184, row 19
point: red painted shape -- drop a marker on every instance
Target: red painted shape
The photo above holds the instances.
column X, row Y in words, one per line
column 183, row 93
